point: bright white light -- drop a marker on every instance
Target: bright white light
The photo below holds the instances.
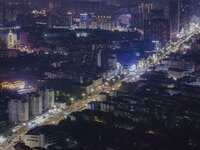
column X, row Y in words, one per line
column 118, row 65
column 17, row 27
column 2, row 139
column 155, row 41
column 21, row 87
column 132, row 67
column 174, row 78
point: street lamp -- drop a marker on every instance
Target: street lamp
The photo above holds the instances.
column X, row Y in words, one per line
column 83, row 94
column 72, row 99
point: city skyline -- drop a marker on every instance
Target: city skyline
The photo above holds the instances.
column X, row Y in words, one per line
column 99, row 74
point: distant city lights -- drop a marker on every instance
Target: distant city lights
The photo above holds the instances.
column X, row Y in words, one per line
column 16, row 85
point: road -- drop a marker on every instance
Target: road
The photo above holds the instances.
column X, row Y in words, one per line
column 81, row 105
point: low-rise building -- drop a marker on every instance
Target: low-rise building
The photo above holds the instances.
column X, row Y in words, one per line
column 42, row 136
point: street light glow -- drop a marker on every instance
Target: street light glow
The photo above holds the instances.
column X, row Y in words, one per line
column 2, row 139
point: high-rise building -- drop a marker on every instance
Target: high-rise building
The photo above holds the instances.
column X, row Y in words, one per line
column 103, row 22
column 35, row 104
column 2, row 13
column 156, row 14
column 112, row 62
column 99, row 64
column 195, row 5
column 184, row 14
column 18, row 111
column 50, row 22
column 83, row 20
column 24, row 39
column 144, row 9
column 2, row 45
column 106, row 61
column 125, row 20
column 111, row 2
column 69, row 20
column 82, row 56
column 11, row 39
column 157, row 30
column 174, row 15
column 93, row 25
column 13, row 9
column 48, row 99
column 179, row 15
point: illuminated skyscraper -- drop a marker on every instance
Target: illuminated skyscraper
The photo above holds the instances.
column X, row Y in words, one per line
column 11, row 39
column 84, row 20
